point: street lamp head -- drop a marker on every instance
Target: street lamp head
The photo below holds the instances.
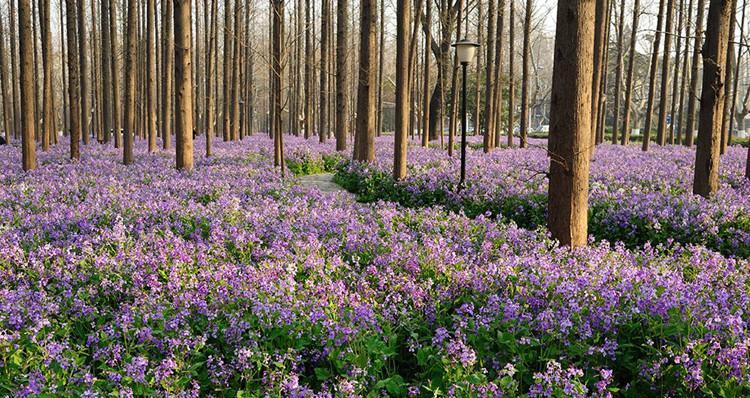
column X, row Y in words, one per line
column 465, row 50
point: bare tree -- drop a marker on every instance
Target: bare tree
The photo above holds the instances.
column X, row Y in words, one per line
column 489, row 83
column 497, row 117
column 26, row 48
column 426, row 75
column 725, row 133
column 167, row 64
column 151, row 75
column 364, row 141
column 211, row 46
column 16, row 81
column 570, row 125
column 601, row 25
column 183, row 85
column 652, row 78
column 707, row 156
column 511, row 74
column 685, row 75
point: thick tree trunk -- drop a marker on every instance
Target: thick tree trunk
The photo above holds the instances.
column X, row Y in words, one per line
column 183, row 120
column 364, row 146
column 73, row 80
column 402, row 88
column 26, row 52
column 570, row 122
column 693, row 92
column 707, row 157
column 652, row 78
column 526, row 65
column 342, row 74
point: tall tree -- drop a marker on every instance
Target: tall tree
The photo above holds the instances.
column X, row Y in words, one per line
column 73, row 79
column 16, row 80
column 618, row 71
column 402, row 88
column 601, row 24
column 511, row 74
column 83, row 71
column 693, row 91
column 235, row 131
column 276, row 67
column 706, row 180
column 652, row 78
column 325, row 19
column 570, row 122
column 489, row 83
column 342, row 72
column 48, row 116
column 725, row 133
column 115, row 66
column 183, row 76
column 151, row 75
column 364, row 141
column 497, row 116
column 130, row 81
column 661, row 132
column 227, row 78
column 525, row 75
column 307, row 122
column 676, row 74
column 685, row 75
column 735, row 76
column 106, row 69
column 4, row 80
column 167, row 65
column 26, row 48
column 426, row 74
column 210, row 45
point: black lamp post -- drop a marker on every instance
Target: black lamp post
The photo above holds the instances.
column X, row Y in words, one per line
column 465, row 50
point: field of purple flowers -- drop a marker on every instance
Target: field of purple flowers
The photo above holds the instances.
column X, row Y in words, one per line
column 143, row 281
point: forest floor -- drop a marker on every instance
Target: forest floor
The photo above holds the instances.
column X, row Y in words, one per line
column 324, row 182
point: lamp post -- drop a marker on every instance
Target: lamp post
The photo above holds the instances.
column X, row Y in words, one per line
column 465, row 50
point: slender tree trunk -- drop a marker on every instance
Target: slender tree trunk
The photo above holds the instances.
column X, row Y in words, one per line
column 380, row 67
column 48, row 118
column 325, row 19
column 26, row 48
column 511, row 74
column 736, row 71
column 73, row 77
column 4, row 80
column 526, row 65
column 83, row 69
column 342, row 72
column 693, row 92
column 426, row 75
column 453, row 119
column 685, row 75
column 106, row 69
column 16, row 80
column 278, row 35
column 706, row 181
column 570, row 129
column 725, row 133
column 661, row 132
column 403, row 18
column 307, row 122
column 601, row 25
column 130, row 81
column 183, row 85
column 167, row 56
column 618, row 72
column 227, row 83
column 676, row 74
column 235, row 131
column 602, row 109
column 210, row 45
column 497, row 116
column 652, row 78
column 489, row 80
column 116, row 114
column 364, row 147
column 151, row 76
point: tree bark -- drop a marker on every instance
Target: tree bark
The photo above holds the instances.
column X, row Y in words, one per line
column 47, row 113
column 497, row 116
column 661, row 132
column 570, row 122
column 167, row 56
column 685, row 76
column 26, row 52
column 106, row 70
column 151, row 75
column 526, row 65
column 183, row 85
column 426, row 75
column 489, row 83
column 227, row 76
column 600, row 32
column 237, row 39
column 278, row 26
column 210, row 45
column 16, row 80
column 725, row 133
column 4, row 80
column 693, row 92
column 511, row 75
column 83, row 71
column 735, row 76
column 130, row 81
column 342, row 74
column 116, row 114
column 364, row 146
column 73, row 80
column 618, row 72
column 707, row 156
column 325, row 18
column 402, row 89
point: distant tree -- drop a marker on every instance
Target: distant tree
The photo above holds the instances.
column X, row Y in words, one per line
column 601, row 25
column 426, row 75
column 236, row 68
column 402, row 89
column 497, row 114
column 183, row 120
column 309, row 59
column 227, row 76
column 16, row 80
column 167, row 67
column 364, row 141
column 570, row 122
column 618, row 71
column 685, row 74
column 4, row 80
column 276, row 67
column 211, row 46
column 106, row 70
column 26, row 48
column 693, row 91
column 325, row 20
column 728, row 84
column 661, row 132
column 511, row 73
column 625, row 136
column 73, row 79
column 83, row 70
column 525, row 74
column 707, row 156
column 489, row 79
column 151, row 75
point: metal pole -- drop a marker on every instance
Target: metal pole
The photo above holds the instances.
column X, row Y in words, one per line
column 463, row 128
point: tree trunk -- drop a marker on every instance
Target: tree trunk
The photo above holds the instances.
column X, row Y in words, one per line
column 625, row 136
column 16, row 80
column 735, row 76
column 106, row 69
column 661, row 132
column 381, row 56
column 706, row 181
column 183, row 120
column 26, row 48
column 342, row 74
column 725, row 133
column 601, row 25
column 130, row 81
column 4, row 80
column 693, row 92
column 227, row 76
column 73, row 80
column 307, row 123
column 167, row 56
column 526, row 64
column 151, row 76
column 570, row 122
column 115, row 74
column 497, row 117
column 83, row 71
column 618, row 72
column 235, row 131
column 211, row 46
column 676, row 74
column 652, row 78
column 511, row 74
column 426, row 75
column 364, row 146
column 489, row 83
column 278, row 26
column 325, row 18
column 402, row 88
column 48, row 118
column 685, row 75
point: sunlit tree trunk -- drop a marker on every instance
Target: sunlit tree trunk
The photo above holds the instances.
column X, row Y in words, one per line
column 735, row 76
column 325, row 18
column 601, row 25
column 685, row 75
column 151, row 75
column 707, row 157
column 511, row 74
column 26, row 52
column 116, row 114
column 676, row 74
column 489, row 80
column 426, row 75
column 47, row 113
column 625, row 136
column 83, row 71
column 497, row 117
column 652, row 78
column 570, row 122
column 167, row 64
column 728, row 81
column 235, row 98
column 106, row 70
column 16, row 80
column 276, row 56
